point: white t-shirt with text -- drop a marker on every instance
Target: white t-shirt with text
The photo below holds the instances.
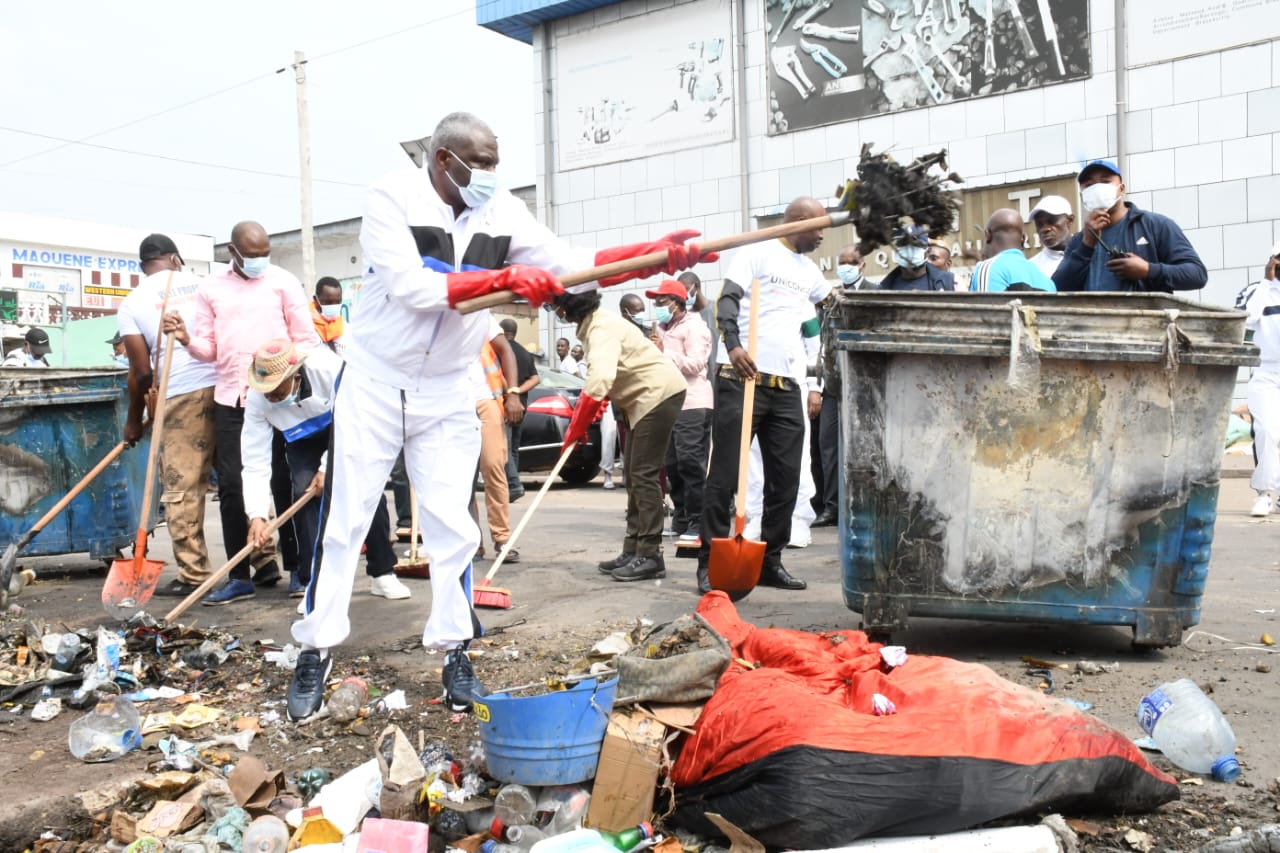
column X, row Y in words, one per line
column 139, row 314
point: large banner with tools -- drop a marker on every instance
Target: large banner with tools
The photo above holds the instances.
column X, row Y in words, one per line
column 626, row 94
column 1167, row 29
column 834, row 60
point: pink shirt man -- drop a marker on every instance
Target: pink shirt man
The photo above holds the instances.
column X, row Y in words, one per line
column 235, row 316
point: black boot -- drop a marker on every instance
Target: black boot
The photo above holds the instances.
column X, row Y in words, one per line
column 777, row 576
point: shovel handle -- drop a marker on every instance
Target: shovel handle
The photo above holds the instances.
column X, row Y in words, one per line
column 225, row 569
column 748, row 410
column 524, row 519
column 720, row 244
column 71, row 495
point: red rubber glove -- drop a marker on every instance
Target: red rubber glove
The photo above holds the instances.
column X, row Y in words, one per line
column 584, row 415
column 534, row 284
column 680, row 256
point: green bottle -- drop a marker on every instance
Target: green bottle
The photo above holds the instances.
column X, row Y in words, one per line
column 628, row 838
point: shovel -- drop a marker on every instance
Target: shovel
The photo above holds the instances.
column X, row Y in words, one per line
column 734, row 564
column 720, row 244
column 131, row 582
column 225, row 569
column 10, row 558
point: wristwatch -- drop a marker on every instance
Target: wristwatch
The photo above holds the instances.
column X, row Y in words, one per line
column 515, row 391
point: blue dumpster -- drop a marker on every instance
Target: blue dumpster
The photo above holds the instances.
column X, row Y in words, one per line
column 56, row 424
column 1032, row 457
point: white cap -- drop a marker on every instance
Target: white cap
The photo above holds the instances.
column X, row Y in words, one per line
column 1054, row 205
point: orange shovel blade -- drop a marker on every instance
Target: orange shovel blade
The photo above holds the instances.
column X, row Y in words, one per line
column 734, row 565
column 130, row 584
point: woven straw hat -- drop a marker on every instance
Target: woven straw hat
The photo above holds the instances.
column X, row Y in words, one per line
column 273, row 363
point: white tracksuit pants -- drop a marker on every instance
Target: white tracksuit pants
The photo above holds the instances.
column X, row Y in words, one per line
column 1264, row 404
column 803, row 515
column 440, row 434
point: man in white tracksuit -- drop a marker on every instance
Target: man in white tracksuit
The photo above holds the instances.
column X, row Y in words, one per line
column 1264, row 386
column 431, row 238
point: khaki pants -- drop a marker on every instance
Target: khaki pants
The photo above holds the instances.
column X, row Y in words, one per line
column 493, row 467
column 186, row 456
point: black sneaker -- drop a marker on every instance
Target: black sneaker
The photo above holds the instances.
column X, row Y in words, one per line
column 704, row 580
column 608, row 566
column 642, row 569
column 306, row 689
column 176, row 588
column 459, row 677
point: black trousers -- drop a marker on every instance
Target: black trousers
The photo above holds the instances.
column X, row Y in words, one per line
column 641, row 465
column 829, row 452
column 778, row 422
column 686, row 466
column 228, row 421
column 304, row 461
column 400, row 491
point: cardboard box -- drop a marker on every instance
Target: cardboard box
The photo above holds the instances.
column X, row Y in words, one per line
column 627, row 775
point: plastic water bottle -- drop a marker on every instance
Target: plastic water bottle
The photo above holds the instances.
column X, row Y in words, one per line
column 267, row 834
column 110, row 730
column 64, row 660
column 524, row 836
column 1190, row 730
column 628, row 838
column 346, row 701
column 571, row 813
column 514, row 805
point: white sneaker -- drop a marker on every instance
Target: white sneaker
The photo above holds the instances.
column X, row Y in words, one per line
column 1262, row 506
column 608, row 480
column 302, row 607
column 388, row 586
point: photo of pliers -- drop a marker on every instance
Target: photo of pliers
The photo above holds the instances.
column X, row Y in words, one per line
column 825, row 59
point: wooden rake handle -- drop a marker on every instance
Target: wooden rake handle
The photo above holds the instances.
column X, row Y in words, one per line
column 720, row 244
column 225, row 569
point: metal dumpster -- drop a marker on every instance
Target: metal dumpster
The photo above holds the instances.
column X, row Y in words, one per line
column 56, row 424
column 1032, row 457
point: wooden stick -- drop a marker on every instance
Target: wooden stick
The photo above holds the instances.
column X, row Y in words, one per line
column 721, row 244
column 225, row 569
column 524, row 519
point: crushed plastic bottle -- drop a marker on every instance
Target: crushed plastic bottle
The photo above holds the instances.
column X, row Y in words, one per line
column 1190, row 730
column 570, row 811
column 524, row 836
column 347, row 699
column 514, row 805
column 64, row 659
column 267, row 834
column 110, row 730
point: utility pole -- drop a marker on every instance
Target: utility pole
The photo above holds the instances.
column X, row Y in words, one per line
column 304, row 158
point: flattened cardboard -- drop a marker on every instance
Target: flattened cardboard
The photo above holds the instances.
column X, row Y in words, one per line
column 169, row 818
column 630, row 761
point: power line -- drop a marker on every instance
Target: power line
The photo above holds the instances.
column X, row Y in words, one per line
column 66, row 143
column 164, row 157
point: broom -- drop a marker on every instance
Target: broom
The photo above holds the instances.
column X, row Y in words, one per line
column 495, row 596
column 413, row 566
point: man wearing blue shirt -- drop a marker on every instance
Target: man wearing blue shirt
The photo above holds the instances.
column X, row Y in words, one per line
column 1006, row 267
column 1122, row 247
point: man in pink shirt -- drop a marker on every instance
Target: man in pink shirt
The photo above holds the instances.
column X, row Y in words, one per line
column 248, row 303
column 683, row 335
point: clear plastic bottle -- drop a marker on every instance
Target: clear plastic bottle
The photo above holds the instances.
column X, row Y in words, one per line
column 1190, row 730
column 267, row 834
column 347, row 699
column 514, row 805
column 524, row 835
column 110, row 730
column 64, row 660
column 567, row 805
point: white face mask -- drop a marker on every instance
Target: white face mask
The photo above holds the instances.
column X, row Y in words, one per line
column 482, row 186
column 848, row 273
column 911, row 257
column 1099, row 196
column 331, row 311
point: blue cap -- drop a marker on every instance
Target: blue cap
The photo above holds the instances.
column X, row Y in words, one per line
column 1109, row 165
column 1225, row 769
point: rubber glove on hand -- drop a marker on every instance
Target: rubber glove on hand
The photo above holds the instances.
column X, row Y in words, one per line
column 680, row 256
column 534, row 284
column 584, row 415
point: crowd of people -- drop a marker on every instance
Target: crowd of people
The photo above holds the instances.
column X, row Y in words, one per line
column 289, row 398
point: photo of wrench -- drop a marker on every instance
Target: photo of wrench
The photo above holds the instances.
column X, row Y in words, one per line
column 951, row 15
column 887, row 45
column 814, row 11
column 1051, row 34
column 930, row 82
column 989, row 53
column 964, row 84
column 1028, row 46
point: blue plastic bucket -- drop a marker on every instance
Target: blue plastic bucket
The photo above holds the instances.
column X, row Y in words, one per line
column 548, row 739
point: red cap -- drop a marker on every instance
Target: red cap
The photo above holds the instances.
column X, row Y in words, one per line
column 670, row 287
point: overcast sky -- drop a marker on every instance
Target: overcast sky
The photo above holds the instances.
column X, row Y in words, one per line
column 75, row 69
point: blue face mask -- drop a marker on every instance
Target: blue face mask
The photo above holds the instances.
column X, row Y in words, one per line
column 662, row 314
column 254, row 267
column 287, row 401
column 849, row 273
column 482, row 186
column 911, row 257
